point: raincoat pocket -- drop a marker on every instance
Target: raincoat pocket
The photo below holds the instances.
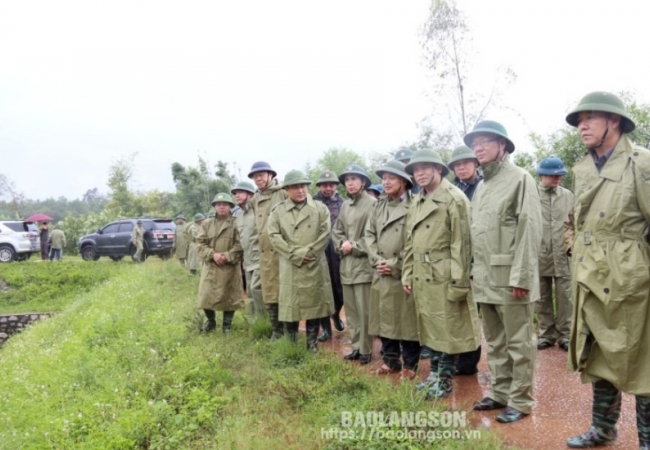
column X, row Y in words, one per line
column 457, row 293
column 500, row 270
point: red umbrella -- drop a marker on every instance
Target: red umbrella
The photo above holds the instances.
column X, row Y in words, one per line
column 38, row 217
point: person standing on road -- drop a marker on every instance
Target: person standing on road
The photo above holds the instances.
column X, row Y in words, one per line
column 137, row 238
column 557, row 202
column 392, row 314
column 437, row 262
column 57, row 243
column 219, row 247
column 327, row 184
column 506, row 238
column 44, row 234
column 299, row 230
column 194, row 261
column 356, row 271
column 610, row 333
column 268, row 195
column 180, row 244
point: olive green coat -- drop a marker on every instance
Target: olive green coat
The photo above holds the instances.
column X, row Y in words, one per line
column 180, row 241
column 611, row 279
column 392, row 312
column 245, row 221
column 220, row 288
column 506, row 234
column 350, row 226
column 57, row 239
column 296, row 232
column 263, row 202
column 193, row 259
column 556, row 204
column 437, row 261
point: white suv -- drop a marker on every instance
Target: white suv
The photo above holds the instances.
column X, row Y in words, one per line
column 18, row 240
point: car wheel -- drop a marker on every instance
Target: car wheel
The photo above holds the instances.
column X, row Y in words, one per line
column 116, row 258
column 7, row 253
column 89, row 254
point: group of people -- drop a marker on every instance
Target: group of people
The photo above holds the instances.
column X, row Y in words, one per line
column 413, row 265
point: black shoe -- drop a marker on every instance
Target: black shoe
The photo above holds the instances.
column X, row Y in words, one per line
column 510, row 415
column 591, row 439
column 352, row 356
column 541, row 345
column 487, row 404
column 324, row 336
column 209, row 326
column 365, row 359
column 338, row 323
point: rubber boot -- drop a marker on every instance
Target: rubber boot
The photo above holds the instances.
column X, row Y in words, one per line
column 292, row 331
column 227, row 321
column 326, row 335
column 278, row 327
column 643, row 421
column 211, row 324
column 446, row 368
column 312, row 333
column 604, row 414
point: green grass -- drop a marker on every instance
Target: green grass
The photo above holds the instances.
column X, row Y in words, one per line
column 44, row 286
column 124, row 367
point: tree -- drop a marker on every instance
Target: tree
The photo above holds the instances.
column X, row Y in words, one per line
column 16, row 198
column 121, row 201
column 336, row 159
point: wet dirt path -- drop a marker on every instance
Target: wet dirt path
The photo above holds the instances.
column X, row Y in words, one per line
column 562, row 409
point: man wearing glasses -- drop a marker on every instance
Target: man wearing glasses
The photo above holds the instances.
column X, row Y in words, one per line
column 506, row 237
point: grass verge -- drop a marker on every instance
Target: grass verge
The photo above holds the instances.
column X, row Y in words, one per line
column 124, row 367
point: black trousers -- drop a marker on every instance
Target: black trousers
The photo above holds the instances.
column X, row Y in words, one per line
column 392, row 349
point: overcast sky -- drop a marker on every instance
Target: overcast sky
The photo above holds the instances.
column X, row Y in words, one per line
column 84, row 83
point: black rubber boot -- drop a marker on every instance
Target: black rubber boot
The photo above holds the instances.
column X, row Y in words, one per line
column 227, row 321
column 312, row 333
column 278, row 327
column 604, row 414
column 292, row 331
column 643, row 421
column 326, row 335
column 211, row 324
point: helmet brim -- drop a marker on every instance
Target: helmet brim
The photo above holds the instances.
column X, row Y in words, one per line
column 627, row 124
column 405, row 176
column 469, row 137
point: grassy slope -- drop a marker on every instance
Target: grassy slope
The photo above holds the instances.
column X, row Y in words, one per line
column 124, row 367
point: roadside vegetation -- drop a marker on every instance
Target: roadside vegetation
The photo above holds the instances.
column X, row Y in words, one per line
column 124, row 367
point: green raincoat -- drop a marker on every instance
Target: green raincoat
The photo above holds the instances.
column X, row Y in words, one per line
column 57, row 239
column 556, row 205
column 392, row 311
column 296, row 232
column 220, row 288
column 193, row 259
column 180, row 243
column 245, row 222
column 437, row 260
column 263, row 202
column 610, row 334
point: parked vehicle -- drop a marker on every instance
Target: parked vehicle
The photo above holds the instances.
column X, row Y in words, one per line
column 114, row 239
column 18, row 240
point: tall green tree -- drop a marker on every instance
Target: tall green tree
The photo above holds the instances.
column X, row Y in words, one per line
column 336, row 159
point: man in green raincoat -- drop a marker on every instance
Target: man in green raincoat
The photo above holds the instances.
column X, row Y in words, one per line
column 218, row 245
column 437, row 262
column 299, row 230
column 557, row 202
column 506, row 238
column 392, row 314
column 194, row 261
column 137, row 238
column 610, row 333
column 269, row 193
column 180, row 244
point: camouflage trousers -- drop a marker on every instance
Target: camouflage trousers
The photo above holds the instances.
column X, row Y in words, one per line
column 606, row 410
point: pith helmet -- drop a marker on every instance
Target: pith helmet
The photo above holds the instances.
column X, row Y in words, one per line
column 180, row 216
column 354, row 169
column 552, row 166
column 378, row 188
column 261, row 166
column 198, row 217
column 460, row 153
column 403, row 154
column 396, row 168
column 243, row 186
column 295, row 177
column 426, row 156
column 138, row 221
column 223, row 197
column 327, row 177
column 212, row 213
column 604, row 102
column 490, row 126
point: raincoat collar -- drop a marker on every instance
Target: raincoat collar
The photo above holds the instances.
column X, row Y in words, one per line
column 491, row 169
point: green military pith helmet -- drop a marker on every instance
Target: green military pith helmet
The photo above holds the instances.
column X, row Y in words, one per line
column 355, row 169
column 403, row 154
column 490, row 126
column 460, row 153
column 243, row 186
column 295, row 177
column 198, row 217
column 212, row 213
column 327, row 177
column 223, row 197
column 396, row 168
column 180, row 216
column 426, row 156
column 603, row 102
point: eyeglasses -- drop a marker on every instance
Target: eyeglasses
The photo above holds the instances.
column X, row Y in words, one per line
column 482, row 143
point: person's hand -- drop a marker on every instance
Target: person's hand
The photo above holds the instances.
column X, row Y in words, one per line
column 219, row 259
column 383, row 269
column 519, row 293
column 306, row 260
column 346, row 248
column 407, row 289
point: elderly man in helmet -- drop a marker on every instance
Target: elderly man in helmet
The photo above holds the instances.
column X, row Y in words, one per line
column 218, row 245
column 610, row 333
column 506, row 237
column 269, row 193
column 299, row 230
column 556, row 203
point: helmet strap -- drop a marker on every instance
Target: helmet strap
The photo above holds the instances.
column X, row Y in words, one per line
column 602, row 140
